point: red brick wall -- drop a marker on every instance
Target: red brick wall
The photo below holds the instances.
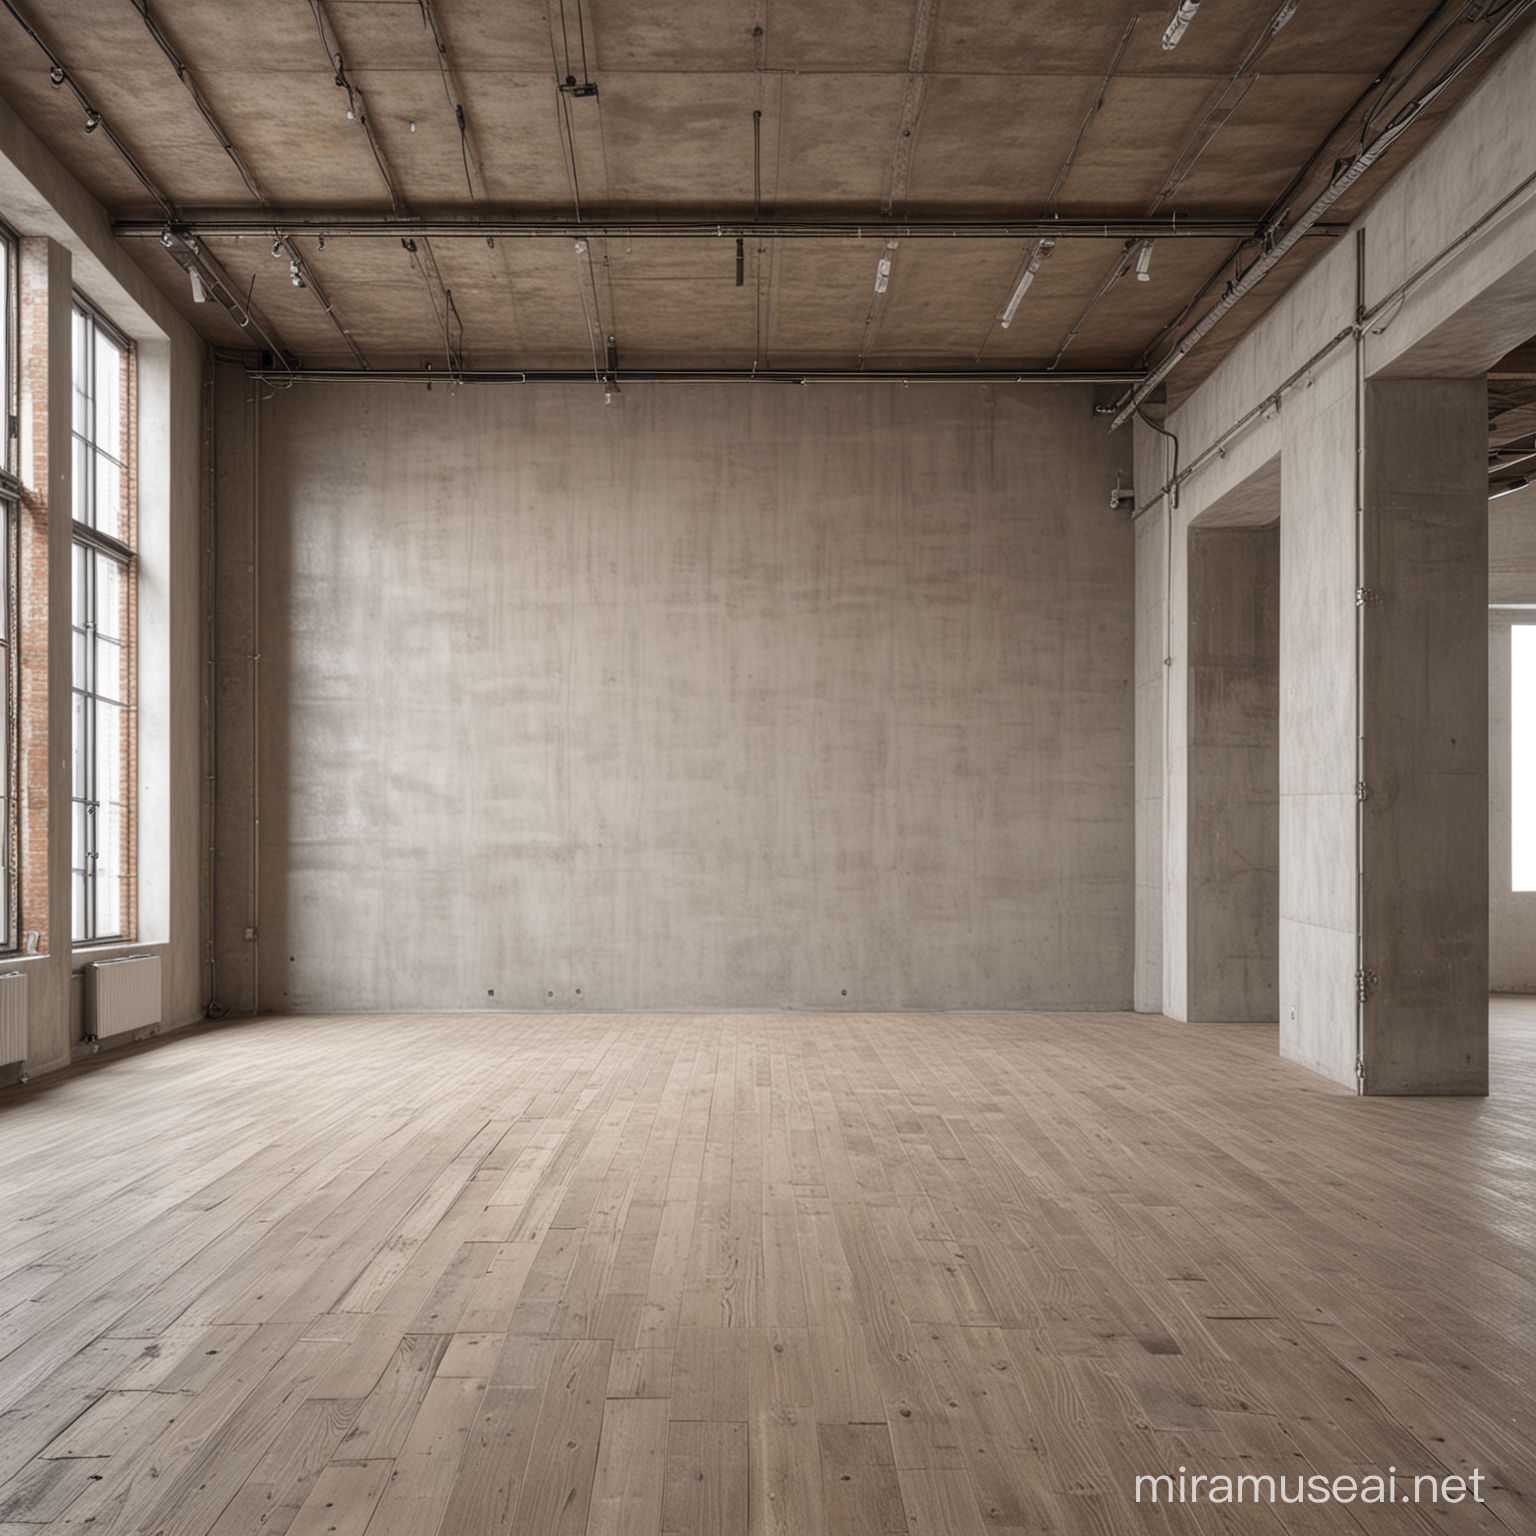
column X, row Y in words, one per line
column 32, row 589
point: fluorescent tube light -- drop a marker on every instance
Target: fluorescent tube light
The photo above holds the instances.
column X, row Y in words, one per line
column 1181, row 20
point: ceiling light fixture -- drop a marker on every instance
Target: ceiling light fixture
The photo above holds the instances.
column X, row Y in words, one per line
column 1144, row 262
column 1043, row 249
column 92, row 120
column 1181, row 20
column 883, row 271
column 199, row 293
column 56, row 74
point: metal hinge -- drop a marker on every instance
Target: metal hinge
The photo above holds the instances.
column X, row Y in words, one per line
column 1365, row 982
column 1364, row 595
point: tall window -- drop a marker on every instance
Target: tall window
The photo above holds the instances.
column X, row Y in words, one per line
column 10, row 495
column 103, row 613
column 1522, row 780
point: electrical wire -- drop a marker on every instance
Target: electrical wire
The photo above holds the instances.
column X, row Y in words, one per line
column 1344, row 177
column 429, row 19
column 304, row 270
column 1278, row 207
column 583, row 249
column 1173, row 478
column 357, row 107
column 62, row 76
column 1032, row 250
column 1183, row 165
column 563, row 124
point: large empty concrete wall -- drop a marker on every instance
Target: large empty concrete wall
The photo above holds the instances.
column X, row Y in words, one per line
column 711, row 698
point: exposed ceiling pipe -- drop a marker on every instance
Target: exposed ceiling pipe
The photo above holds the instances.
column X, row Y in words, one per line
column 691, row 376
column 343, row 226
column 304, row 276
column 1276, row 246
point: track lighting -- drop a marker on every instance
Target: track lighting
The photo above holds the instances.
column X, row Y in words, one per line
column 1181, row 20
column 883, row 271
column 56, row 74
column 92, row 120
column 294, row 274
column 1043, row 248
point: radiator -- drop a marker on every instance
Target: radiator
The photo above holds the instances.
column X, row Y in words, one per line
column 121, row 995
column 13, row 1017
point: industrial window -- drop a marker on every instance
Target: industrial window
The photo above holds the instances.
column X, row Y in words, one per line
column 103, row 608
column 1522, row 779
column 10, row 495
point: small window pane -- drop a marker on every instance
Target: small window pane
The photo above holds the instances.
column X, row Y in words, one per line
column 108, row 432
column 1522, row 720
column 110, row 593
column 82, row 374
column 111, row 508
column 81, row 489
column 79, row 781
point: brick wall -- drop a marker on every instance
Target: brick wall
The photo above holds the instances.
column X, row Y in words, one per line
column 32, row 590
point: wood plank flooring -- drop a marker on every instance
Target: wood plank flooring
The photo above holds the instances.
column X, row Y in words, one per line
column 842, row 1275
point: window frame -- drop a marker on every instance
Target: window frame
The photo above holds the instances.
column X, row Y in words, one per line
column 10, row 608
column 1522, row 750
column 89, row 545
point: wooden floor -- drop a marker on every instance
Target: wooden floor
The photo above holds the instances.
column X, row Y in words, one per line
column 804, row 1274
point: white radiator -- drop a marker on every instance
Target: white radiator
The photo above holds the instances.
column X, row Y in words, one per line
column 13, row 1017
column 121, row 995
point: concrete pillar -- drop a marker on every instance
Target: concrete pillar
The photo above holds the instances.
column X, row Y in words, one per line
column 1386, row 895
column 1424, row 720
column 1232, row 766
column 1151, row 575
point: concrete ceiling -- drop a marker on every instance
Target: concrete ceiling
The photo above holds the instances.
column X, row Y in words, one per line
column 905, row 109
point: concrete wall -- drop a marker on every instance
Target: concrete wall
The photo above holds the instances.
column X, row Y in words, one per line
column 75, row 246
column 1233, row 768
column 1511, row 580
column 712, row 698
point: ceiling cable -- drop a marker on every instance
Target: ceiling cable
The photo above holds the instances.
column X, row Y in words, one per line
column 357, row 108
column 1043, row 245
column 1283, row 201
column 303, row 275
column 1278, row 243
column 429, row 20
column 94, row 121
column 1195, row 146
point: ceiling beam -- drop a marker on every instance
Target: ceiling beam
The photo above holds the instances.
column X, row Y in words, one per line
column 341, row 226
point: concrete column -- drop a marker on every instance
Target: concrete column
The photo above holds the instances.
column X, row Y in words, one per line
column 1151, row 568
column 1232, row 764
column 1318, row 732
column 1390, row 891
column 1424, row 721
